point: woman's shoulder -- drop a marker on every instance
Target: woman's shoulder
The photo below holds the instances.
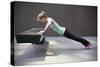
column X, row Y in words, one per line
column 49, row 18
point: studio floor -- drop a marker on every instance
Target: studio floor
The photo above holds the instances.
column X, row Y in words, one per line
column 64, row 51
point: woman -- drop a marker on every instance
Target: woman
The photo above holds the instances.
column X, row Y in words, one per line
column 43, row 18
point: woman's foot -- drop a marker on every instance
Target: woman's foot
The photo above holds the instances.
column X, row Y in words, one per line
column 88, row 45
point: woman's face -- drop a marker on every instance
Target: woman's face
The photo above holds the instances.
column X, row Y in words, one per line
column 43, row 20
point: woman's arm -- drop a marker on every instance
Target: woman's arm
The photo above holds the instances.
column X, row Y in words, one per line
column 46, row 27
column 49, row 21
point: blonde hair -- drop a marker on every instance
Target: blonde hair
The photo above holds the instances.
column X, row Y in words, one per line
column 42, row 15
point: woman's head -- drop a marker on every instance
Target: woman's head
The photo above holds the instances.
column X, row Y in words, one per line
column 42, row 17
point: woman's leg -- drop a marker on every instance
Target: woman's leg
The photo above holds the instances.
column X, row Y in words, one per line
column 73, row 37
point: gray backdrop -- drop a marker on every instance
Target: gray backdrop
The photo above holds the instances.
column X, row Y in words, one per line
column 80, row 20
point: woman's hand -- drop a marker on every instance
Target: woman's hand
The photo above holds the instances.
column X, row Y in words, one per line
column 41, row 32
